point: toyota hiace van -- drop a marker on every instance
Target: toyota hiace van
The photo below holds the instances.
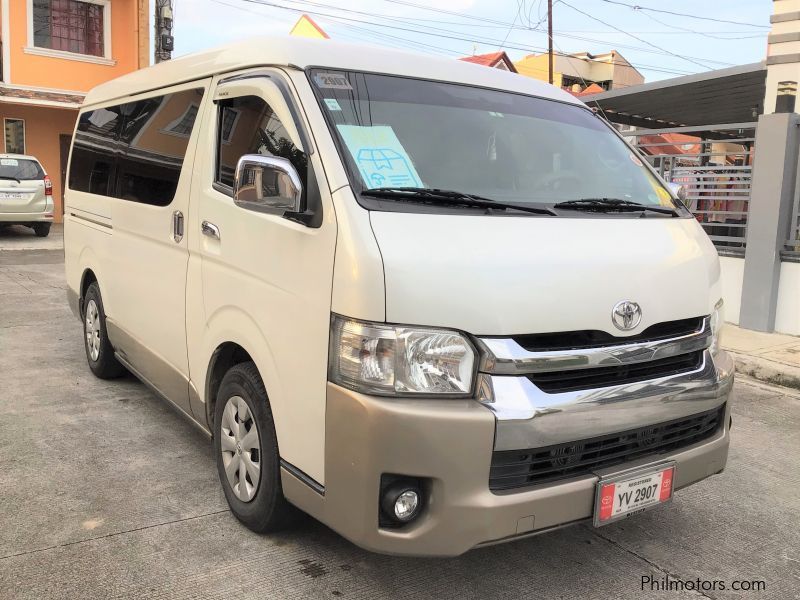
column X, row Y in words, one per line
column 434, row 305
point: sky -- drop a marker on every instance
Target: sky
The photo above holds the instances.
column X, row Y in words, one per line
column 661, row 45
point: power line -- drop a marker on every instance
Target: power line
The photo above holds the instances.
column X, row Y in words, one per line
column 406, row 43
column 494, row 41
column 446, row 35
column 707, row 34
column 677, row 14
column 520, row 4
column 644, row 41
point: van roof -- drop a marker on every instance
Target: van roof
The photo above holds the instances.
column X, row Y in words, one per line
column 299, row 52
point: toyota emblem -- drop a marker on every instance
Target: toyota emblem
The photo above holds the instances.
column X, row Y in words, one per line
column 626, row 315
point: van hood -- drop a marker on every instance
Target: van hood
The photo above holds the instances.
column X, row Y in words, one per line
column 496, row 275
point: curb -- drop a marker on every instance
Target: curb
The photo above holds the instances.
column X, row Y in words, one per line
column 768, row 371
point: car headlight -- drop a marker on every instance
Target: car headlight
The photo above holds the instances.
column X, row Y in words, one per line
column 717, row 319
column 394, row 360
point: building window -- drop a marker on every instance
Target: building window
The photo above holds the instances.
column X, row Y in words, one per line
column 15, row 136
column 69, row 26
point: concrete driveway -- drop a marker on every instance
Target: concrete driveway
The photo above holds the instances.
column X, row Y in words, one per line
column 106, row 492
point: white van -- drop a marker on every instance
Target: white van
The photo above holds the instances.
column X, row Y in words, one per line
column 432, row 304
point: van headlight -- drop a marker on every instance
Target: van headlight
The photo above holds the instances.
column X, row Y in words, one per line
column 394, row 360
column 716, row 321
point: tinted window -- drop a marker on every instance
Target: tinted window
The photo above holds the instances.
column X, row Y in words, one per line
column 247, row 125
column 20, row 168
column 134, row 151
column 95, row 150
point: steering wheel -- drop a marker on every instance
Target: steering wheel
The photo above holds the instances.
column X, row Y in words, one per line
column 560, row 181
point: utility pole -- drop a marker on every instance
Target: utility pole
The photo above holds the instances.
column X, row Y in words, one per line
column 550, row 40
column 164, row 42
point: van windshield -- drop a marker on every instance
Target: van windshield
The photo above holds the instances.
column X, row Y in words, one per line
column 398, row 132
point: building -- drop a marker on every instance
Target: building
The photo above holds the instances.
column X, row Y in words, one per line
column 496, row 60
column 307, row 27
column 575, row 72
column 53, row 52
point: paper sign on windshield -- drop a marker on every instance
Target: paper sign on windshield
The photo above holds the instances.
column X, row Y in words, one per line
column 379, row 156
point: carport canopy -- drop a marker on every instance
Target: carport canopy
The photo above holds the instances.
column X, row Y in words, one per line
column 725, row 96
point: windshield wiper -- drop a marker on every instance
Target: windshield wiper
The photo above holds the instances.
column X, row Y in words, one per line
column 610, row 204
column 9, row 177
column 450, row 198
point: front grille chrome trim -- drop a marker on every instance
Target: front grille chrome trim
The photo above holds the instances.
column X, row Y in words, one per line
column 504, row 356
column 527, row 417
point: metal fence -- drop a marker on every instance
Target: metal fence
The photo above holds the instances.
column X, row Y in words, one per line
column 715, row 163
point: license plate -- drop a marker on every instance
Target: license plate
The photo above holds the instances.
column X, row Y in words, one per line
column 624, row 495
column 11, row 196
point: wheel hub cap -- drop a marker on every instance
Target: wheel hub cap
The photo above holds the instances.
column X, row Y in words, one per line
column 92, row 329
column 241, row 448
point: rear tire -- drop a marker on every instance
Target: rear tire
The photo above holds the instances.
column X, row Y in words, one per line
column 246, row 450
column 99, row 352
column 41, row 229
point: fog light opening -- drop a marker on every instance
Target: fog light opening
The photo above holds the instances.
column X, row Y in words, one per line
column 401, row 502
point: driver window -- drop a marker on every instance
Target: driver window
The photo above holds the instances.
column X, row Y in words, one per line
column 247, row 125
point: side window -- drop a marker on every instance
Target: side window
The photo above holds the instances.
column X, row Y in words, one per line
column 247, row 125
column 134, row 151
column 150, row 167
column 94, row 150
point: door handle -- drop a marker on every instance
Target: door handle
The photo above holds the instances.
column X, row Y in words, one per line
column 209, row 229
column 177, row 226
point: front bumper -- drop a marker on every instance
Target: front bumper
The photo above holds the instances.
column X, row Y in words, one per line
column 450, row 443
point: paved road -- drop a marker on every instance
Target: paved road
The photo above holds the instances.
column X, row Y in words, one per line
column 106, row 492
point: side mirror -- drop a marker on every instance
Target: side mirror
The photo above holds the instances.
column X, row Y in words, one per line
column 679, row 190
column 267, row 184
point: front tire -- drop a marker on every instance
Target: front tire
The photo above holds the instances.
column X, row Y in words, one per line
column 41, row 229
column 246, row 450
column 99, row 352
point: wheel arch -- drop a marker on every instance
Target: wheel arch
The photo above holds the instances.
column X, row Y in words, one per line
column 88, row 277
column 225, row 356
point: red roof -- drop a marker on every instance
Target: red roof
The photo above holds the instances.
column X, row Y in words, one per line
column 592, row 89
column 491, row 60
column 679, row 144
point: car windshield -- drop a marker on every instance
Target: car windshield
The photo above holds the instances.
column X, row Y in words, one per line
column 398, row 132
column 20, row 168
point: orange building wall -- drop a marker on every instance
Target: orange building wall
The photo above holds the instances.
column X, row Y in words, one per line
column 64, row 74
column 42, row 129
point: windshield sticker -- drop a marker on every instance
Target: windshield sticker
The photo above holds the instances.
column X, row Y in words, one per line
column 380, row 157
column 9, row 162
column 332, row 81
column 332, row 104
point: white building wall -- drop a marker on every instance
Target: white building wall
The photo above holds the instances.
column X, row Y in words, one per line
column 787, row 316
column 732, row 277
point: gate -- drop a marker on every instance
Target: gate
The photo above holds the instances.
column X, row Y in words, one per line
column 715, row 163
